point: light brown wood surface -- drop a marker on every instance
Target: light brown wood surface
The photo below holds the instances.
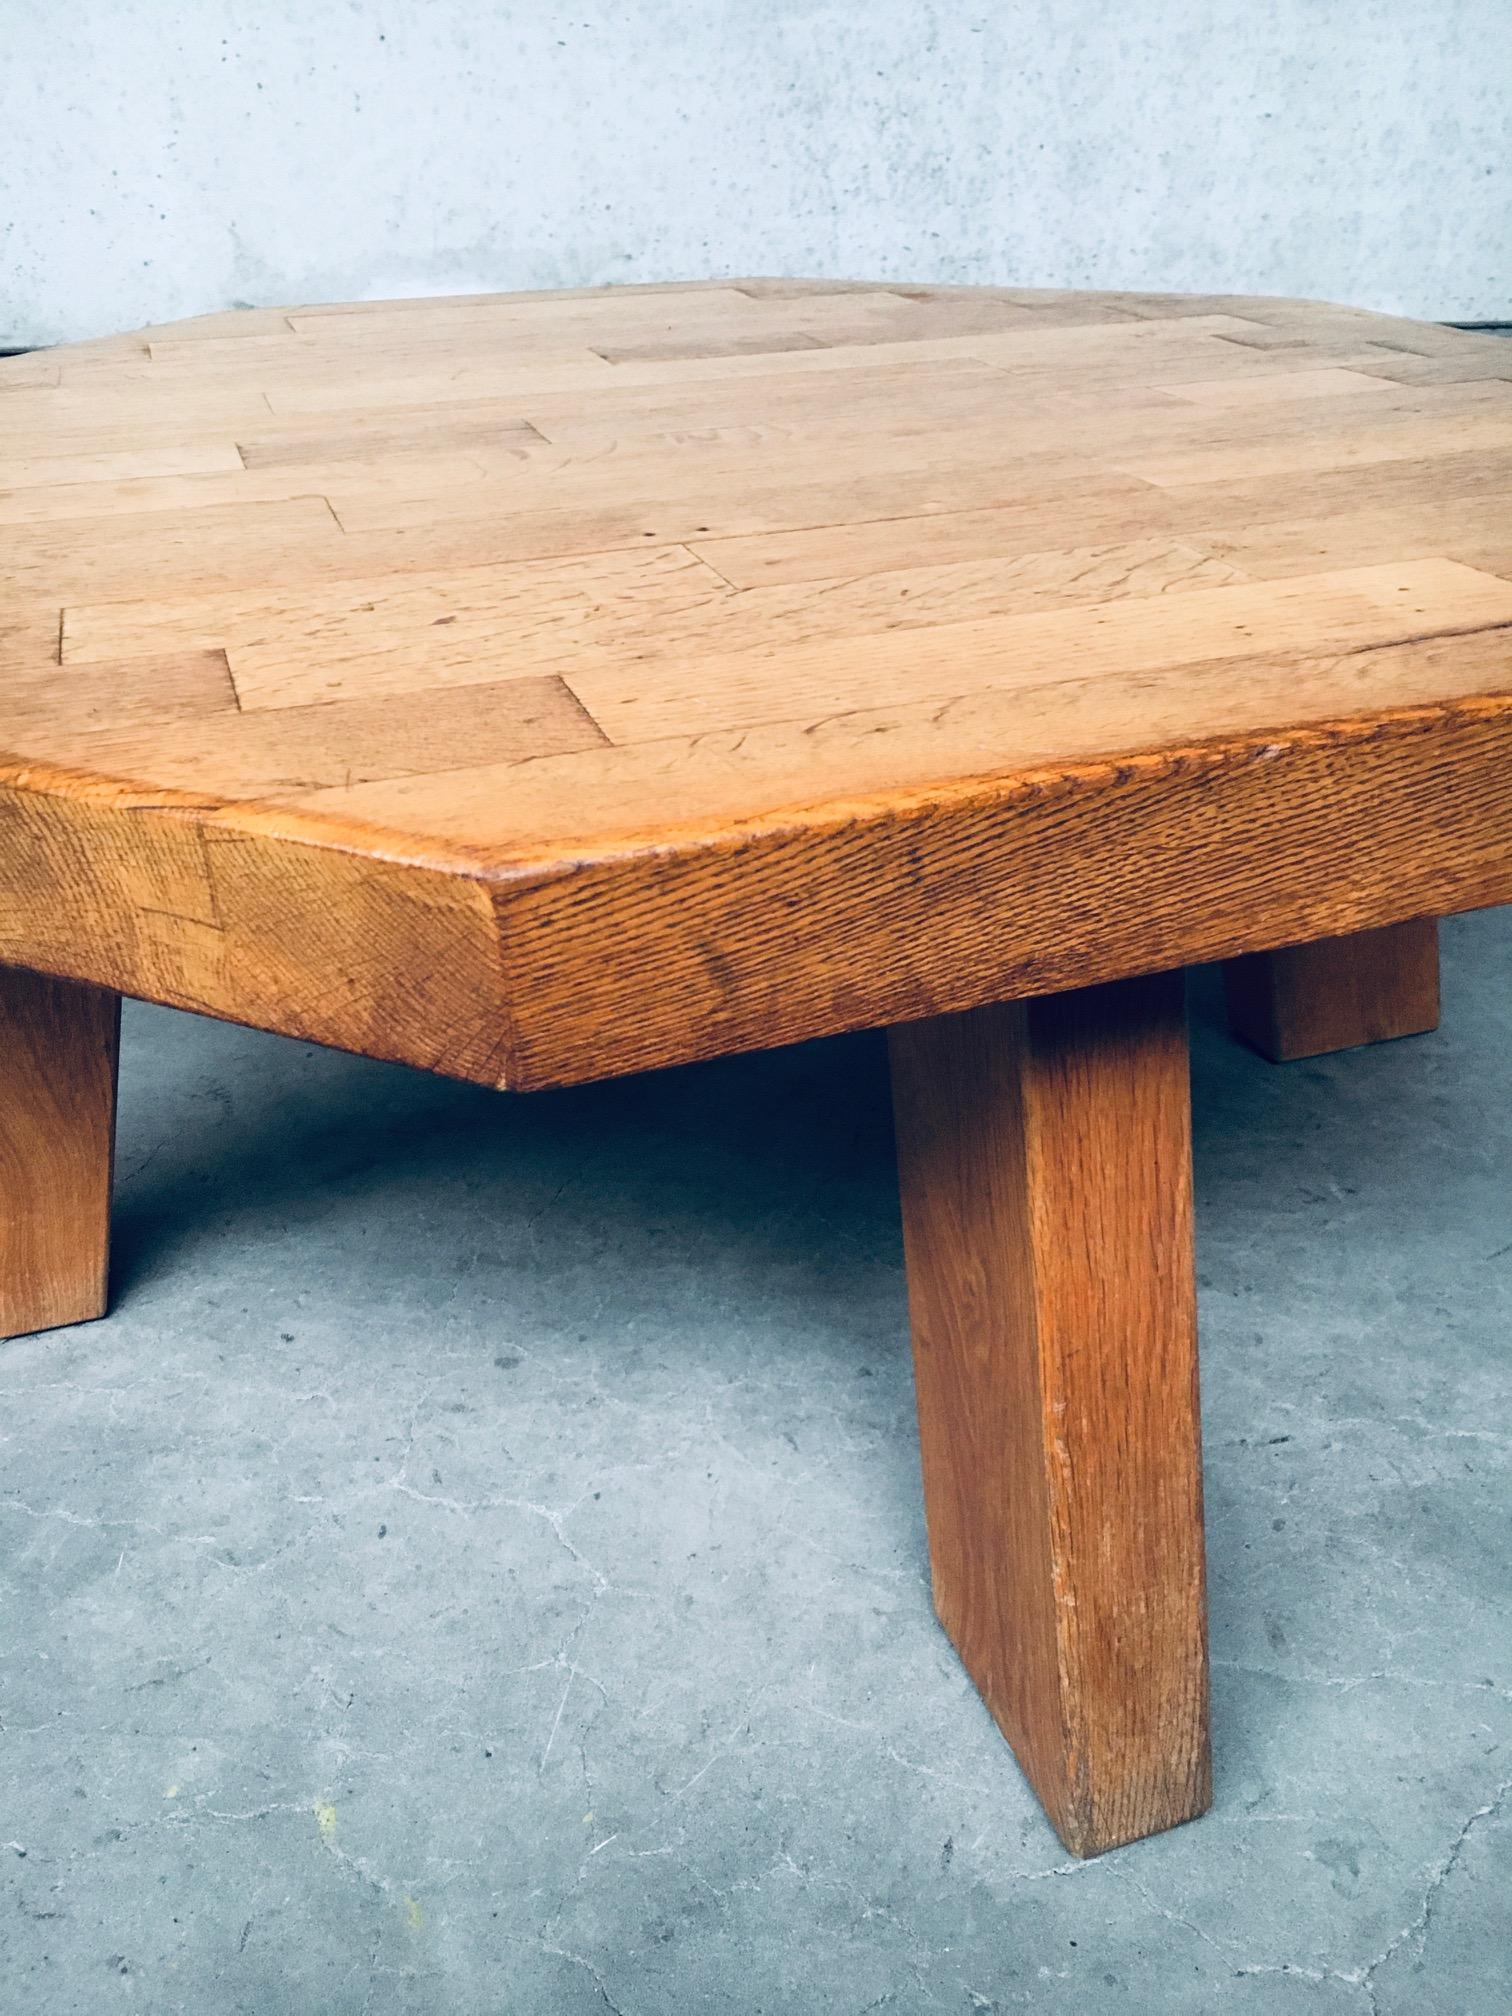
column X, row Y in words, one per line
column 58, row 1043
column 1306, row 1000
column 540, row 687
column 1045, row 1158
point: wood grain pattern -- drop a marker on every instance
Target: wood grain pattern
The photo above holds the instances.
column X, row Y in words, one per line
column 283, row 926
column 696, row 667
column 536, row 688
column 1044, row 1154
column 1306, row 1000
column 58, row 1045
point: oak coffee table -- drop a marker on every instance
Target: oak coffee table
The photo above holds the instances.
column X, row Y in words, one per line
column 538, row 688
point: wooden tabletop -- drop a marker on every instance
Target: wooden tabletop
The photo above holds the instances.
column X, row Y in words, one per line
column 536, row 687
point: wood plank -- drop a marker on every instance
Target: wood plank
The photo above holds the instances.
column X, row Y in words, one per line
column 877, row 388
column 312, row 387
column 1337, row 993
column 560, row 311
column 1338, row 448
column 660, row 793
column 58, row 1047
column 30, row 630
column 61, row 559
column 371, row 636
column 111, row 418
column 27, row 372
column 1395, row 494
column 86, row 504
column 652, row 605
column 114, row 696
column 1044, row 1151
column 942, row 384
column 674, row 348
column 336, row 743
column 556, row 332
column 424, row 438
column 148, row 458
column 1240, row 518
column 1453, row 369
column 416, row 377
column 521, row 528
column 424, row 306
column 1327, row 382
column 1029, row 524
column 220, row 323
column 1354, row 609
column 1460, row 528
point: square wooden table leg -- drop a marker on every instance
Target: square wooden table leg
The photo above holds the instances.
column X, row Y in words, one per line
column 1044, row 1151
column 1305, row 1000
column 58, row 1048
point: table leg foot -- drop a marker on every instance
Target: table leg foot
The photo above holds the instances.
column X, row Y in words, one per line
column 1045, row 1159
column 1306, row 1000
column 58, row 1046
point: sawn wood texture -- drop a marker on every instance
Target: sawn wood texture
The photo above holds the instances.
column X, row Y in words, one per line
column 537, row 688
column 1306, row 1000
column 58, row 1045
column 1044, row 1151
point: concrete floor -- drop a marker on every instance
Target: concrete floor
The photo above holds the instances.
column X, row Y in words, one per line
column 479, row 1567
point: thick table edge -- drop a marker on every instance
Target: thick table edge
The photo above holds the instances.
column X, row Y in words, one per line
column 525, row 972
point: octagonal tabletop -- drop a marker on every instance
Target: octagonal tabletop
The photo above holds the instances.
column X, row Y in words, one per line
column 535, row 687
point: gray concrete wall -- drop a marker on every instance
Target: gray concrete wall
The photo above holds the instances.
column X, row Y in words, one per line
column 159, row 159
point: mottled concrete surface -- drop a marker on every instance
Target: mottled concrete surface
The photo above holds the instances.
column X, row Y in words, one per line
column 479, row 1565
column 160, row 158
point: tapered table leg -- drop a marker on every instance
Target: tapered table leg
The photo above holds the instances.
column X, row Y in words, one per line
column 1044, row 1151
column 58, row 1045
column 1305, row 1000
